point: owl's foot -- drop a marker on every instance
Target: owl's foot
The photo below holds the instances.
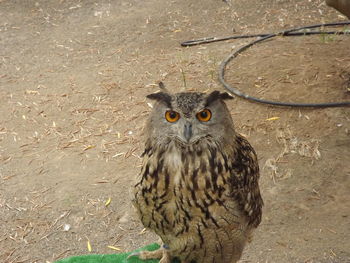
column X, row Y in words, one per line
column 162, row 253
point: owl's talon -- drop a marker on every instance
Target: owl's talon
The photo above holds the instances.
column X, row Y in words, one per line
column 161, row 253
column 133, row 254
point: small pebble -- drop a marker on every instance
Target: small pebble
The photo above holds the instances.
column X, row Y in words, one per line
column 66, row 227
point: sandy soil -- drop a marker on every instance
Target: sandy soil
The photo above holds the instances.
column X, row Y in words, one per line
column 74, row 75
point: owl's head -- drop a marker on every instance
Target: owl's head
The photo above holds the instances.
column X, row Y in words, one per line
column 189, row 117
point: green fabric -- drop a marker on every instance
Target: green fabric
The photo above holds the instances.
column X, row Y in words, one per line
column 112, row 258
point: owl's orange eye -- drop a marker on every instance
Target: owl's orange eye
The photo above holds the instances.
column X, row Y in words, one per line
column 172, row 116
column 204, row 115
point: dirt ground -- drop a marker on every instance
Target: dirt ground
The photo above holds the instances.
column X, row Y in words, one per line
column 74, row 75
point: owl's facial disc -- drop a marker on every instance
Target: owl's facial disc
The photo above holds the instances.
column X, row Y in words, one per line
column 189, row 117
column 188, row 127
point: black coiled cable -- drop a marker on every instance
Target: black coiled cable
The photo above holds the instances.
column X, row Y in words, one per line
column 263, row 37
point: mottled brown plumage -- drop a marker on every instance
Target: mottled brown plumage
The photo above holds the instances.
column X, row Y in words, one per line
column 198, row 187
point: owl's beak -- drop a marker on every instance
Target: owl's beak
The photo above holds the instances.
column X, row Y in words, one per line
column 188, row 131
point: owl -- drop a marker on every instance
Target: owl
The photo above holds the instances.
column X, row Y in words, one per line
column 198, row 188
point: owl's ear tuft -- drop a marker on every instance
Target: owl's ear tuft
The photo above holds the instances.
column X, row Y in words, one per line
column 161, row 97
column 226, row 96
column 163, row 88
column 216, row 95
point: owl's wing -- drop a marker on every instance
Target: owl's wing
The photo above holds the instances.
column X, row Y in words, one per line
column 244, row 180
